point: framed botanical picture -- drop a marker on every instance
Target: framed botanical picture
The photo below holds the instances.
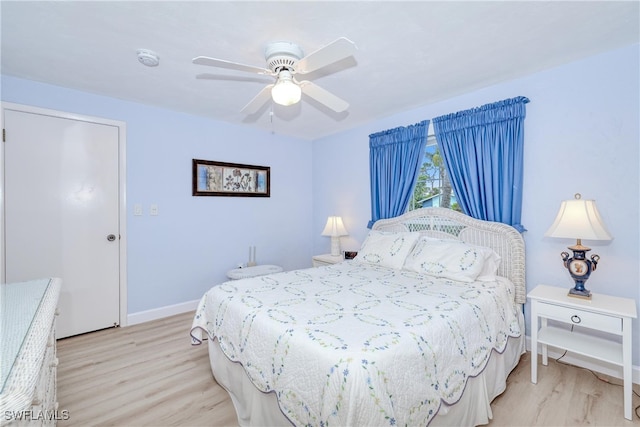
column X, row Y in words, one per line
column 230, row 179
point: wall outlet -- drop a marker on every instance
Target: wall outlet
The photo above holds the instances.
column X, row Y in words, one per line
column 137, row 209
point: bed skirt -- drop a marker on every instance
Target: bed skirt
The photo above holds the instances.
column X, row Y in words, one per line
column 255, row 408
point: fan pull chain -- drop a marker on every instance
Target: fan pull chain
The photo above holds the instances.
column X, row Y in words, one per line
column 271, row 121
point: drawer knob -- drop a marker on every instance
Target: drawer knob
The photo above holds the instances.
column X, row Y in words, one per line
column 576, row 319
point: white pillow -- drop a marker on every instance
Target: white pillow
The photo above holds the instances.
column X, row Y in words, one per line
column 387, row 249
column 490, row 268
column 453, row 259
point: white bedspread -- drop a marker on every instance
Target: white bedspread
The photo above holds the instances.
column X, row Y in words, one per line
column 352, row 344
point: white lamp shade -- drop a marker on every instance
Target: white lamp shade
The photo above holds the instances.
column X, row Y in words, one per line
column 286, row 92
column 579, row 219
column 334, row 227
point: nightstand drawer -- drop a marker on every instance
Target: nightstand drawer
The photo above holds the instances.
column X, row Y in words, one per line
column 579, row 317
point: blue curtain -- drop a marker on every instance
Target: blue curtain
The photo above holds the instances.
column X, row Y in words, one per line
column 482, row 149
column 395, row 157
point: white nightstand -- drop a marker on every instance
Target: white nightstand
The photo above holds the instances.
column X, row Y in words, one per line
column 326, row 259
column 612, row 315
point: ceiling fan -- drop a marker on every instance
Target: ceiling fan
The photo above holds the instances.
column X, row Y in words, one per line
column 285, row 60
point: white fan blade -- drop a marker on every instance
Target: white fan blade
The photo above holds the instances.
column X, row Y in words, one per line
column 333, row 52
column 221, row 63
column 323, row 96
column 229, row 78
column 258, row 101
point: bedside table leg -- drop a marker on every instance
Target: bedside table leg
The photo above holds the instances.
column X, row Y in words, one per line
column 626, row 365
column 534, row 342
column 545, row 353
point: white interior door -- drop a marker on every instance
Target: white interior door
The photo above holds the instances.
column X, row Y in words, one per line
column 61, row 217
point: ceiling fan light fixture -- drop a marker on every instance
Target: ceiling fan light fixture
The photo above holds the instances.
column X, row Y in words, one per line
column 284, row 60
column 286, row 92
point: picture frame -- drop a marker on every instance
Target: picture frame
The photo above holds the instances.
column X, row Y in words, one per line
column 212, row 178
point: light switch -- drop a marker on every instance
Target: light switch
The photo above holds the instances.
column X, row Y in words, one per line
column 137, row 209
column 153, row 210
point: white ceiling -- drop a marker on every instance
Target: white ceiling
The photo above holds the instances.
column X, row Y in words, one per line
column 409, row 53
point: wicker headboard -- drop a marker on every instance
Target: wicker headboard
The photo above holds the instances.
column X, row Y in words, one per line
column 449, row 224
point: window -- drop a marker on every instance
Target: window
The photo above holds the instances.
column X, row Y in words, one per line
column 433, row 187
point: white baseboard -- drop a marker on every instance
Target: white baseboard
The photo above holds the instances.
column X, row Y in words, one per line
column 162, row 312
column 589, row 363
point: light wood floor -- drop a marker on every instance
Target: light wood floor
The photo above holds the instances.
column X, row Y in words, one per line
column 150, row 375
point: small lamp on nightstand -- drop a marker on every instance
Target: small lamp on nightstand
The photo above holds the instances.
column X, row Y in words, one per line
column 579, row 219
column 335, row 229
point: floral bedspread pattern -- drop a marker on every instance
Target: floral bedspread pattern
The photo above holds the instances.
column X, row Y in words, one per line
column 354, row 344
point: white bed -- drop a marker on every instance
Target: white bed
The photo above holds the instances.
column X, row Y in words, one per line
column 380, row 340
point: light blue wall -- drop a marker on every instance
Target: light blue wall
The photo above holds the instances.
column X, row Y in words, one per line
column 581, row 135
column 178, row 255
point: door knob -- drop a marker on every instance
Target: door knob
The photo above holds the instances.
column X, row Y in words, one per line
column 111, row 237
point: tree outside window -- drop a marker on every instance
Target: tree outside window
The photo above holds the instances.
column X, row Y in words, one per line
column 433, row 187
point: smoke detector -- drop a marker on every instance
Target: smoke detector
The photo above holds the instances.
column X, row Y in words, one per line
column 148, row 57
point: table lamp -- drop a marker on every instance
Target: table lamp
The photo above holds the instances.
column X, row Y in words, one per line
column 335, row 229
column 579, row 219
